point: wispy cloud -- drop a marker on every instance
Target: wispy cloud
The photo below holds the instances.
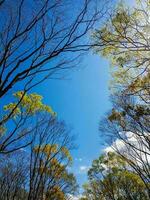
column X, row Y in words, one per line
column 83, row 169
column 79, row 159
column 72, row 197
column 124, row 147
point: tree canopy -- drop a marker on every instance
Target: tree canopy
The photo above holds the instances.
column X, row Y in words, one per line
column 110, row 177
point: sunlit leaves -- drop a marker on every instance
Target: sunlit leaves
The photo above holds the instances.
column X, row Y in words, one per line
column 124, row 40
column 53, row 162
column 110, row 176
column 55, row 157
column 47, row 149
column 2, row 130
column 56, row 193
column 27, row 104
column 66, row 153
column 12, row 107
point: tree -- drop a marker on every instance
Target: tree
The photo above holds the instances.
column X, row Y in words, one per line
column 20, row 120
column 13, row 176
column 127, row 131
column 36, row 37
column 40, row 171
column 39, row 40
column 49, row 160
column 111, row 178
column 124, row 40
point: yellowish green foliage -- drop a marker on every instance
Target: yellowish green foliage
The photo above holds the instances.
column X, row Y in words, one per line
column 124, row 40
column 110, row 175
column 66, row 153
column 121, row 117
column 48, row 149
column 2, row 130
column 53, row 163
column 28, row 104
column 54, row 167
column 56, row 193
column 116, row 116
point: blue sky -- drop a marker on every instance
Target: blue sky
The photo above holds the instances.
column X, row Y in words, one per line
column 81, row 100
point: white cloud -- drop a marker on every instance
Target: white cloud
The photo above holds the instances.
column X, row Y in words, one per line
column 135, row 140
column 83, row 169
column 72, row 197
column 118, row 143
